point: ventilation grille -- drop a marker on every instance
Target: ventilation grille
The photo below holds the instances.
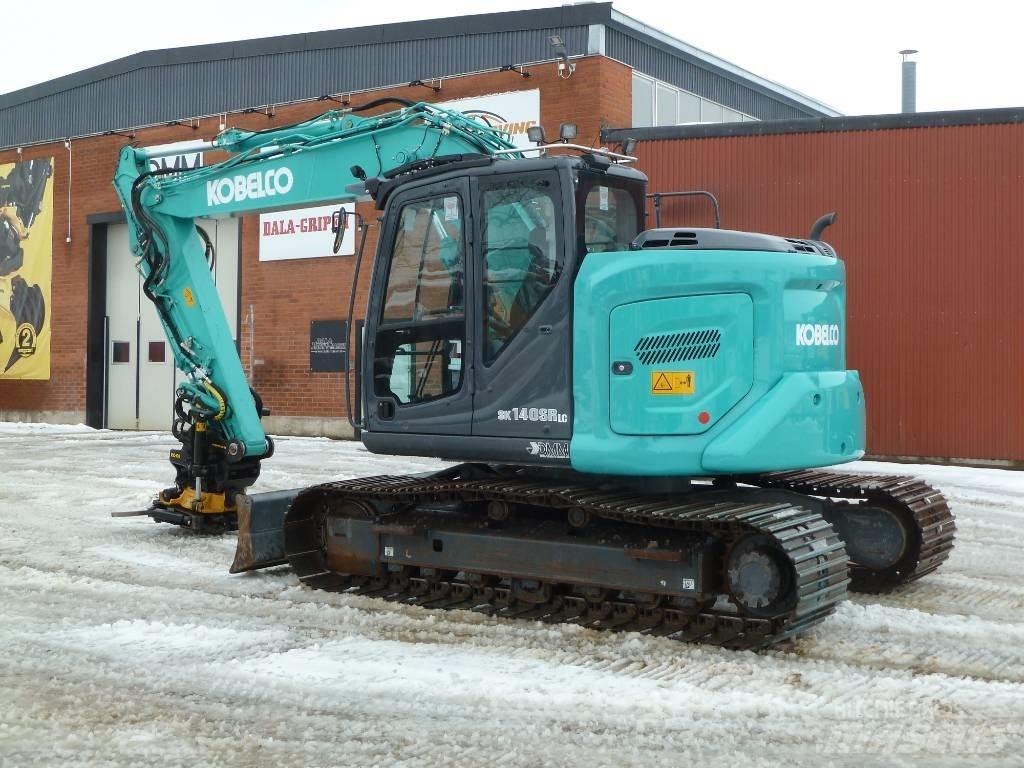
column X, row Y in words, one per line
column 674, row 347
column 803, row 246
column 672, row 240
column 827, row 249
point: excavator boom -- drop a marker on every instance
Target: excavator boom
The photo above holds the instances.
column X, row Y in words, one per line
column 217, row 414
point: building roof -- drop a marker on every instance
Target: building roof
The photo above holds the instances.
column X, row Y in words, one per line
column 160, row 86
column 711, row 62
column 940, row 119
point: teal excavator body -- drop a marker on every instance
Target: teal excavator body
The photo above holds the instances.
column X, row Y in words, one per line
column 713, row 362
column 555, row 332
column 640, row 413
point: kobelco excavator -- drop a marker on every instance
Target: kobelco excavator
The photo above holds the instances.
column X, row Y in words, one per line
column 640, row 414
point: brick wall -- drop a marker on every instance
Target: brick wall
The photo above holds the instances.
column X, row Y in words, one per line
column 286, row 295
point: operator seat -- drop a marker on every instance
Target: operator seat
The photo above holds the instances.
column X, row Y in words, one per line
column 536, row 280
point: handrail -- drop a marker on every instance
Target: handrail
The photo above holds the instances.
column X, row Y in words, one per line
column 694, row 193
column 543, row 148
column 349, row 402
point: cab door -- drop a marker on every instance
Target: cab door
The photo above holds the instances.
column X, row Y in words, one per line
column 522, row 350
column 415, row 378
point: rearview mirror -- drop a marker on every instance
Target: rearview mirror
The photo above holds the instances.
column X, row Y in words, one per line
column 339, row 225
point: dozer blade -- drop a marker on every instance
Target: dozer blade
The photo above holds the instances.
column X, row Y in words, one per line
column 261, row 530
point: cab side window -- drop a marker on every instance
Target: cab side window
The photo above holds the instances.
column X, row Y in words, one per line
column 520, row 258
column 610, row 219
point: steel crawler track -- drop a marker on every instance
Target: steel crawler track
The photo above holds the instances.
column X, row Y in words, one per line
column 814, row 555
column 923, row 509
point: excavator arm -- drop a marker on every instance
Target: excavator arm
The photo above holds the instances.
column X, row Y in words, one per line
column 217, row 414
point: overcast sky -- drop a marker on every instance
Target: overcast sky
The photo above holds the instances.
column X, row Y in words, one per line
column 841, row 53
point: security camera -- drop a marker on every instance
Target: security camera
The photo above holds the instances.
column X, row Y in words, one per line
column 562, row 53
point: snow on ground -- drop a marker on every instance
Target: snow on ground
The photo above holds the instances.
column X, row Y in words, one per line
column 126, row 643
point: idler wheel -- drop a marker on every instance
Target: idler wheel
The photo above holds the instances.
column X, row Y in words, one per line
column 883, row 543
column 759, row 577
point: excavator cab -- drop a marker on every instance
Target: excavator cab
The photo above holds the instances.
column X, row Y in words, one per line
column 468, row 328
column 519, row 313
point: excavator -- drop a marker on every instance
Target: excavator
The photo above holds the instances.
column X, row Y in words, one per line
column 642, row 419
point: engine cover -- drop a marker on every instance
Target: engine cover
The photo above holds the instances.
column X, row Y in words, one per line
column 691, row 361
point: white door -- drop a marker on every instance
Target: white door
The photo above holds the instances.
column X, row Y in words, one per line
column 140, row 392
column 122, row 330
column 156, row 370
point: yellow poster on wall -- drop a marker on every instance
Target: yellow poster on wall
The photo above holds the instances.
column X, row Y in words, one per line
column 26, row 268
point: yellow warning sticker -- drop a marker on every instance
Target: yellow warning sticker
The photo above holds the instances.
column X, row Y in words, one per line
column 672, row 382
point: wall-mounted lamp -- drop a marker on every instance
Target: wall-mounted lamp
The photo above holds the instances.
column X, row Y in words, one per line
column 565, row 67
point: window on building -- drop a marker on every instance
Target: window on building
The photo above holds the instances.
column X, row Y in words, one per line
column 659, row 103
column 157, row 352
column 643, row 102
column 689, row 108
column 121, row 352
column 667, row 108
column 710, row 112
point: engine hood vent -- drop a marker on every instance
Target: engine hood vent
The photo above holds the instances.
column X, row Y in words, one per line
column 726, row 240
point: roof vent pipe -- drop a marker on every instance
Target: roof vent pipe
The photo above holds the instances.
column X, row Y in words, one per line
column 909, row 81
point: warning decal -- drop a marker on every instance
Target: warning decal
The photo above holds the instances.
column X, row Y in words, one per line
column 672, row 382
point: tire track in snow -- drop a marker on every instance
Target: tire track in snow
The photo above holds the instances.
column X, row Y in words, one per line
column 127, row 643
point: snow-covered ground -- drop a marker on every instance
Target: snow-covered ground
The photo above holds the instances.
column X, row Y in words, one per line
column 126, row 643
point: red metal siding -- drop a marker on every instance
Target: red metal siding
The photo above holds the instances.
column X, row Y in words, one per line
column 931, row 227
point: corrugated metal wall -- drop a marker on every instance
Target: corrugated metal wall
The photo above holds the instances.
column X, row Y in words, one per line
column 931, row 227
column 158, row 94
column 696, row 78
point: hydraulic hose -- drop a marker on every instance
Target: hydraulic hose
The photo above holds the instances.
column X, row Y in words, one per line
column 381, row 102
